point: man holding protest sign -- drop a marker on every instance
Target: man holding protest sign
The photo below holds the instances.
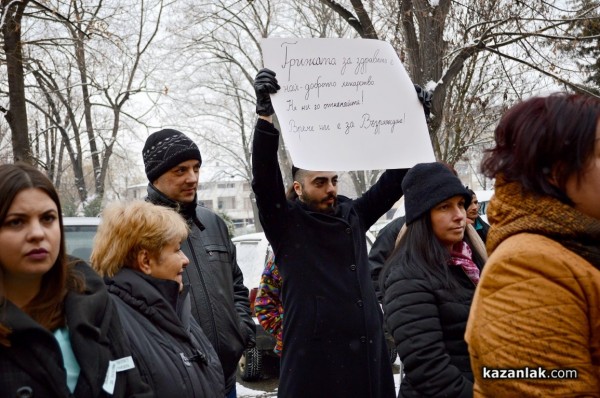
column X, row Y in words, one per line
column 334, row 342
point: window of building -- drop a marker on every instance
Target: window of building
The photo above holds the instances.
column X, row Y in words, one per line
column 226, row 185
column 226, row 203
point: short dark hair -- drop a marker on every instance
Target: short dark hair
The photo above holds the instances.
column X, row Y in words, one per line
column 543, row 139
column 299, row 175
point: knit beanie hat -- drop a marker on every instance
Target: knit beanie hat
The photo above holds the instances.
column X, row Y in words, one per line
column 426, row 185
column 165, row 149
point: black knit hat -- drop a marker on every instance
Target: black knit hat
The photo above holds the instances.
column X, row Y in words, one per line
column 428, row 184
column 165, row 149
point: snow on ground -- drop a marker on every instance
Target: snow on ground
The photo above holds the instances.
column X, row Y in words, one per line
column 246, row 392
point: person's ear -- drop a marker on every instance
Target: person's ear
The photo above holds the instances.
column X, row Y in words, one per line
column 552, row 175
column 297, row 188
column 143, row 262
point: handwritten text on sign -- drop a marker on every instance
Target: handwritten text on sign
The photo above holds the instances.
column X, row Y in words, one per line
column 346, row 104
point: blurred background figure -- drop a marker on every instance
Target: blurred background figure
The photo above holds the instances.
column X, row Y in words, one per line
column 59, row 331
column 138, row 250
column 475, row 219
column 538, row 302
column 429, row 282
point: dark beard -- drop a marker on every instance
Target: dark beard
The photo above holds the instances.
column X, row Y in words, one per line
column 313, row 204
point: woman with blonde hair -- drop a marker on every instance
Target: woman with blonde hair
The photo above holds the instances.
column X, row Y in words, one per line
column 60, row 335
column 138, row 250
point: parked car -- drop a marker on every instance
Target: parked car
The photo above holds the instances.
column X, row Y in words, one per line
column 252, row 251
column 79, row 235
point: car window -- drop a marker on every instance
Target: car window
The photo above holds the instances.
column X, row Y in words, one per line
column 80, row 239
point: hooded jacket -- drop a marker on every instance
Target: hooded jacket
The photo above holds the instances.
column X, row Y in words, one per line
column 219, row 298
column 172, row 353
column 333, row 328
column 33, row 364
column 538, row 301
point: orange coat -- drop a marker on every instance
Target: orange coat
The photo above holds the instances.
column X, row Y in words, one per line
column 537, row 303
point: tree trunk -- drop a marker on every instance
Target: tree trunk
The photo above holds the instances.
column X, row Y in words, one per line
column 79, row 36
column 17, row 114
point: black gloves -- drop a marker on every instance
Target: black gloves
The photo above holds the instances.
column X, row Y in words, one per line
column 425, row 97
column 265, row 83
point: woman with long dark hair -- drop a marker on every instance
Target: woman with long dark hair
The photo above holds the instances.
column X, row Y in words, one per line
column 537, row 308
column 59, row 333
column 429, row 281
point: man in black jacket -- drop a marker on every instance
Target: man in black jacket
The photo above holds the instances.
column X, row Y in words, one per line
column 334, row 342
column 219, row 298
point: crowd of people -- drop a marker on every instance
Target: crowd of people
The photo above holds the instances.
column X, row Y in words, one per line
column 162, row 311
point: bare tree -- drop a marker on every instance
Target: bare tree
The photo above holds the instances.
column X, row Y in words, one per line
column 226, row 59
column 11, row 16
column 85, row 66
column 442, row 39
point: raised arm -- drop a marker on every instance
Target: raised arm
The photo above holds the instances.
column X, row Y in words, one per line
column 381, row 196
column 267, row 182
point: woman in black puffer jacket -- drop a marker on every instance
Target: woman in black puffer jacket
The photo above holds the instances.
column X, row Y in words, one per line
column 137, row 249
column 429, row 283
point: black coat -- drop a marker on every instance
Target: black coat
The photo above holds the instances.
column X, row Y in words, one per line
column 34, row 360
column 174, row 356
column 333, row 333
column 428, row 323
column 381, row 250
column 219, row 298
column 482, row 228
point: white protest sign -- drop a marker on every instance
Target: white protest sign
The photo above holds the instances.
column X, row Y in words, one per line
column 346, row 104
